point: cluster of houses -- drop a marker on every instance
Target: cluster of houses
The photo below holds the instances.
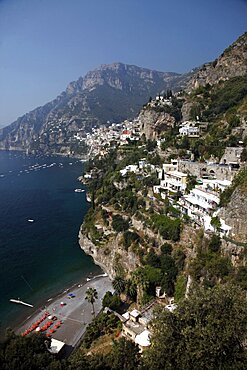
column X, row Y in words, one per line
column 160, row 101
column 102, row 138
column 200, row 203
column 136, row 324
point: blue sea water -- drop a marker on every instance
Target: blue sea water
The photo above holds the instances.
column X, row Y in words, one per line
column 42, row 258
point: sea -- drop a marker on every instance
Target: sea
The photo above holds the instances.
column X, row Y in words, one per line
column 40, row 217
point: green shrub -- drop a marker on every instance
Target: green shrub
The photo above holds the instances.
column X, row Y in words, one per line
column 129, row 237
column 215, row 243
column 119, row 223
column 101, row 325
column 180, row 288
column 168, row 228
column 111, row 300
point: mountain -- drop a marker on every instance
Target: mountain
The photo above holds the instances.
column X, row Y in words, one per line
column 109, row 93
column 231, row 63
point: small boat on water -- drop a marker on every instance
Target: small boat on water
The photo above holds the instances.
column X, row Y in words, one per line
column 20, row 302
column 30, row 220
column 79, row 190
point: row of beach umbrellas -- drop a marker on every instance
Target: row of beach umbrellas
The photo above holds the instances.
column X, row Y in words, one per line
column 35, row 325
column 49, row 323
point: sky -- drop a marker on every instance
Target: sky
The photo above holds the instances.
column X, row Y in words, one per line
column 45, row 44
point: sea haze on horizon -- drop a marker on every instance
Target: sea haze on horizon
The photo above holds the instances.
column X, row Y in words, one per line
column 45, row 253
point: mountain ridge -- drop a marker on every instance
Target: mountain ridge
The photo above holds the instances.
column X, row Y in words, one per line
column 112, row 93
column 109, row 93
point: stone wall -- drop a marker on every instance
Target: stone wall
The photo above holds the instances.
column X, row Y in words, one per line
column 200, row 169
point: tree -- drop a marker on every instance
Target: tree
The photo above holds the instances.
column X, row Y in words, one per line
column 124, row 356
column 140, row 280
column 119, row 223
column 91, row 296
column 118, row 284
column 130, row 289
column 214, row 244
column 28, row 352
column 215, row 222
column 111, row 300
column 206, row 331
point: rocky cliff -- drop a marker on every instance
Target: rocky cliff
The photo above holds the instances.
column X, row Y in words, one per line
column 235, row 214
column 231, row 63
column 110, row 258
column 110, row 93
column 153, row 123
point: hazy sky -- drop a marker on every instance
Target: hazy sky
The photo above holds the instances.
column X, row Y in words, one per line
column 45, row 44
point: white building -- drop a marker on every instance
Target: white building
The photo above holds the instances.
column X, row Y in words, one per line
column 129, row 168
column 189, row 128
column 174, row 181
column 173, row 166
column 199, row 203
column 189, row 131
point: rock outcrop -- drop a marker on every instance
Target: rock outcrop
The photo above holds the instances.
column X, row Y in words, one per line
column 111, row 258
column 231, row 63
column 154, row 123
column 235, row 214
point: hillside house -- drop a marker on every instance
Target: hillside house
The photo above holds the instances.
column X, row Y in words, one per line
column 189, row 129
column 199, row 202
column 174, row 181
column 232, row 156
column 135, row 329
column 172, row 166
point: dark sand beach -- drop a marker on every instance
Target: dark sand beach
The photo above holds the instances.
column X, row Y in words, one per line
column 75, row 315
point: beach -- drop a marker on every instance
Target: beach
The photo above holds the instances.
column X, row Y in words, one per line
column 75, row 314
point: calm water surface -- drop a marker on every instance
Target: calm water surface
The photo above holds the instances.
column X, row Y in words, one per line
column 39, row 259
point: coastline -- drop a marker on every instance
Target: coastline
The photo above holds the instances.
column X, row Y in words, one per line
column 75, row 315
column 90, row 249
column 83, row 158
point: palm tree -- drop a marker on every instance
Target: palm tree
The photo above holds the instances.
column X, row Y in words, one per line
column 130, row 288
column 139, row 278
column 119, row 284
column 91, row 296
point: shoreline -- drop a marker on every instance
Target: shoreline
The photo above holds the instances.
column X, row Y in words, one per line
column 41, row 306
column 46, row 154
column 76, row 314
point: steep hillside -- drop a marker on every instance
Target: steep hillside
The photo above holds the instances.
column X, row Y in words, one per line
column 231, row 63
column 109, row 93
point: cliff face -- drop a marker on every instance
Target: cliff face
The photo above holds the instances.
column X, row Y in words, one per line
column 232, row 63
column 109, row 93
column 153, row 123
column 235, row 214
column 111, row 258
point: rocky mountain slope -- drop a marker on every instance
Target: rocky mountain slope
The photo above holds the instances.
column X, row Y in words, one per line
column 109, row 93
column 215, row 93
column 231, row 63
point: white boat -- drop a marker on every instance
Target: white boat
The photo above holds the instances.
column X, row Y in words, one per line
column 21, row 302
column 30, row 220
column 79, row 190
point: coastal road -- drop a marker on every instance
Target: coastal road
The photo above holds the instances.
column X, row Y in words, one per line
column 76, row 314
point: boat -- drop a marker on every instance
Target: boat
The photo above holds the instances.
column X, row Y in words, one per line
column 79, row 190
column 21, row 302
column 30, row 220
